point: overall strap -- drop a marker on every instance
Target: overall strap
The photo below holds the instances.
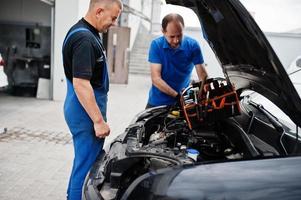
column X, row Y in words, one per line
column 105, row 75
column 84, row 29
column 72, row 32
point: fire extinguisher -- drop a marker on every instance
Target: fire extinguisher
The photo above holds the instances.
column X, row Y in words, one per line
column 3, row 77
column 1, row 60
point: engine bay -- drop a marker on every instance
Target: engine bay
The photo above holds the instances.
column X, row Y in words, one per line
column 208, row 126
column 173, row 137
column 192, row 131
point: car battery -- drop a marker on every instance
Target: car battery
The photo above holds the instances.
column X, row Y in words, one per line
column 214, row 100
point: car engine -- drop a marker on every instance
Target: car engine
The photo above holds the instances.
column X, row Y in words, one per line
column 202, row 129
column 192, row 131
column 168, row 136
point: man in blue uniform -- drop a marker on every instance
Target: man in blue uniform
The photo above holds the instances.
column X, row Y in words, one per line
column 87, row 87
column 172, row 57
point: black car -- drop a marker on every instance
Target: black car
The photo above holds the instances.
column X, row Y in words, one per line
column 220, row 142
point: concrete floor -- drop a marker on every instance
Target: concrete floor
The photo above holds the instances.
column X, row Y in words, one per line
column 36, row 148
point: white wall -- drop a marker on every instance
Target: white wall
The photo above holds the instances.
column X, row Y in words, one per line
column 66, row 14
column 146, row 9
column 286, row 45
column 27, row 11
column 83, row 6
column 134, row 21
column 211, row 63
column 156, row 16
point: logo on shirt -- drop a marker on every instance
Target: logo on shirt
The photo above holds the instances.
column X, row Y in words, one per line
column 100, row 59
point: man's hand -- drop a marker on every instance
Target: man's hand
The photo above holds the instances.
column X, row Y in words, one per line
column 178, row 100
column 85, row 94
column 101, row 129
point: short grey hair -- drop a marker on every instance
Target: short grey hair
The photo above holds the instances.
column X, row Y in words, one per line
column 106, row 2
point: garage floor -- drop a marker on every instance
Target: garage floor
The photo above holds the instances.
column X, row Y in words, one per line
column 35, row 145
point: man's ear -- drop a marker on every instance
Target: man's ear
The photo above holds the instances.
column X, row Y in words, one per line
column 99, row 11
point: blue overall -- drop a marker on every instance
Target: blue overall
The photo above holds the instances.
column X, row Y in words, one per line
column 86, row 145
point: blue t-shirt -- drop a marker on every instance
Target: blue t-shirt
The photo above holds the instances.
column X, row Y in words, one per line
column 177, row 65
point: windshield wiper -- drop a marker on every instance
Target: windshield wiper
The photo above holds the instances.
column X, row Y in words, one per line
column 294, row 72
column 297, row 140
column 270, row 117
column 274, row 121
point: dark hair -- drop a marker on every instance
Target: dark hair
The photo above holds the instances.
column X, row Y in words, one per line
column 171, row 17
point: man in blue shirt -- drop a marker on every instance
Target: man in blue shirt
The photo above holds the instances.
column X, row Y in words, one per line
column 172, row 58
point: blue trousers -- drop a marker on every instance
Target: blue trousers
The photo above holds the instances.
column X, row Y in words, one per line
column 86, row 145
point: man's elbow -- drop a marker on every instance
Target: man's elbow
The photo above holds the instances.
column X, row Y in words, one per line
column 205, row 74
column 79, row 84
column 203, row 70
column 155, row 80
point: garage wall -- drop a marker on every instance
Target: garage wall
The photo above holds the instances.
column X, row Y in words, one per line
column 134, row 20
column 156, row 14
column 35, row 11
column 286, row 45
column 211, row 63
column 18, row 19
column 18, row 15
column 66, row 14
column 27, row 11
column 82, row 8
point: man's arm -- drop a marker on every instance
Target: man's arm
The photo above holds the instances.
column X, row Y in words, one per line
column 159, row 82
column 85, row 94
column 201, row 72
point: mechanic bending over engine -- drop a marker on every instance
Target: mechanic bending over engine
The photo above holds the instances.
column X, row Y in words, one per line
column 172, row 57
column 87, row 87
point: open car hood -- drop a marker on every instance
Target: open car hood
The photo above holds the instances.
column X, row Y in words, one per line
column 244, row 53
